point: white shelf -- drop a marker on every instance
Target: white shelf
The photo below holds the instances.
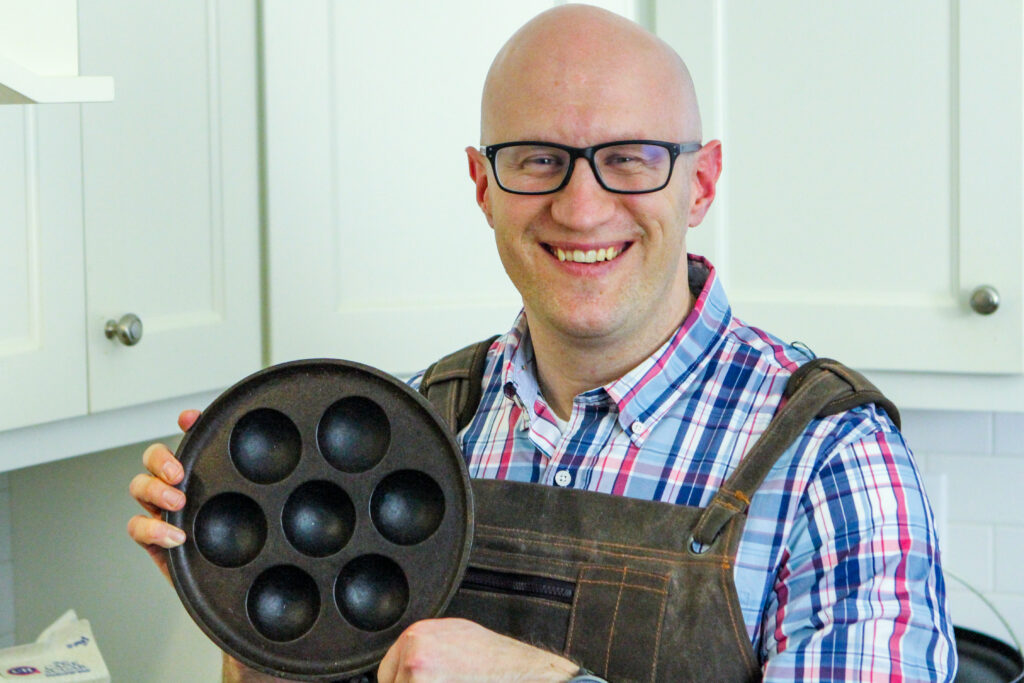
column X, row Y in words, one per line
column 19, row 85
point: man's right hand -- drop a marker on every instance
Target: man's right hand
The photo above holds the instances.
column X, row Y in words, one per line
column 155, row 492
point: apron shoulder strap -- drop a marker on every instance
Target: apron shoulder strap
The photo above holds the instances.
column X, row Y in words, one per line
column 819, row 388
column 453, row 383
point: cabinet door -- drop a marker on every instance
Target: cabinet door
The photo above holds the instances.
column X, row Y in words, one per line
column 378, row 252
column 171, row 196
column 42, row 349
column 873, row 173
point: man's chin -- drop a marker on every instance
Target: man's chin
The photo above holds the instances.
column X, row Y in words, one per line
column 591, row 329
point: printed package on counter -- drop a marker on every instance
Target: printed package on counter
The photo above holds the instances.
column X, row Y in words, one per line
column 66, row 651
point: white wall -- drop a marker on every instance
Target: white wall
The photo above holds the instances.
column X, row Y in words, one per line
column 68, row 546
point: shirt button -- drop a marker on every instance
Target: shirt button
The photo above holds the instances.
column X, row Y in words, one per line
column 637, row 427
column 563, row 477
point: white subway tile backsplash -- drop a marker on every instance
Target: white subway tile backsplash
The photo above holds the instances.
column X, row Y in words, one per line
column 1008, row 433
column 941, row 431
column 1009, row 560
column 982, row 489
column 982, row 510
column 967, row 554
column 971, row 612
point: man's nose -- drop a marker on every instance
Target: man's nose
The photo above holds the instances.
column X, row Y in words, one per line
column 582, row 203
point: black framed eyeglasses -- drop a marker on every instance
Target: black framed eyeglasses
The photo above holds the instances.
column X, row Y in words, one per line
column 624, row 166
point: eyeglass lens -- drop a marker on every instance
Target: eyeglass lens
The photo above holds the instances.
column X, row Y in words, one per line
column 538, row 168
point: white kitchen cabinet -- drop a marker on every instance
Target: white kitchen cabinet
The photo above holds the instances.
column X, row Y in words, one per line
column 147, row 205
column 378, row 252
column 873, row 178
column 171, row 210
column 42, row 327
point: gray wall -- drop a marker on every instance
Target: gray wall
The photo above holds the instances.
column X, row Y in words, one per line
column 6, row 567
column 71, row 551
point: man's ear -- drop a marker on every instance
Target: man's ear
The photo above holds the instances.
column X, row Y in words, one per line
column 478, row 172
column 704, row 178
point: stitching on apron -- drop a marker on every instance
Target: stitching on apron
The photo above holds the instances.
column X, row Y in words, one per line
column 667, row 555
column 741, row 637
column 657, row 638
column 457, row 373
column 622, row 584
column 681, row 560
column 569, row 564
column 572, row 624
column 719, row 503
column 654, row 575
column 615, row 617
column 520, row 533
column 452, row 404
column 734, row 493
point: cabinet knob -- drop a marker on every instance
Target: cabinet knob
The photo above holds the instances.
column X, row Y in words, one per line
column 127, row 330
column 985, row 300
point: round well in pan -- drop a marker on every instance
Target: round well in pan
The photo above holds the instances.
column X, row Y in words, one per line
column 318, row 518
column 230, row 530
column 265, row 446
column 283, row 603
column 354, row 434
column 372, row 592
column 407, row 507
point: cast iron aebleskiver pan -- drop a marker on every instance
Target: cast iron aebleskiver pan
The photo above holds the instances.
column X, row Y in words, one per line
column 328, row 508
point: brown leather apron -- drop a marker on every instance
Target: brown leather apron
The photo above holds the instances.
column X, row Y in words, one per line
column 635, row 590
column 609, row 582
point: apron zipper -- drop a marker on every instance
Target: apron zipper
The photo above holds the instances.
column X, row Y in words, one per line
column 518, row 584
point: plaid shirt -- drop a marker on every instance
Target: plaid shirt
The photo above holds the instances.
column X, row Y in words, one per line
column 837, row 570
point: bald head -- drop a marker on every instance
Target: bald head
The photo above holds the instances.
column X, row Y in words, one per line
column 576, row 73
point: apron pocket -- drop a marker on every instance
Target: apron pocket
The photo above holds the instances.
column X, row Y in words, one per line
column 529, row 607
column 610, row 628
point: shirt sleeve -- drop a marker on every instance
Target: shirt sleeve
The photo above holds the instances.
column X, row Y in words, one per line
column 859, row 595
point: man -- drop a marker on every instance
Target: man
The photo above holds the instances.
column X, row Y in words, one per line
column 627, row 374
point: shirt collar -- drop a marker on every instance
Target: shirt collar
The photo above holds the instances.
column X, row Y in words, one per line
column 646, row 392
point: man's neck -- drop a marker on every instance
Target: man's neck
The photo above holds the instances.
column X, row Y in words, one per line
column 568, row 366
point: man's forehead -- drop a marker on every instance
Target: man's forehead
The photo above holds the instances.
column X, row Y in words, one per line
column 585, row 111
column 584, row 76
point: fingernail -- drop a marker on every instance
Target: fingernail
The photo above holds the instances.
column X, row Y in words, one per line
column 176, row 536
column 173, row 497
column 171, row 471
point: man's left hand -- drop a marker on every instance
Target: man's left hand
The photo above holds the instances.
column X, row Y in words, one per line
column 461, row 650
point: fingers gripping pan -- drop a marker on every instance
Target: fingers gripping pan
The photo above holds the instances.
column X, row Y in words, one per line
column 328, row 509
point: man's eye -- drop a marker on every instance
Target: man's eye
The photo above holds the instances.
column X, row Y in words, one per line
column 541, row 161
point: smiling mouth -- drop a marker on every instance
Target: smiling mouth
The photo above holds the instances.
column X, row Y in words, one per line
column 587, row 256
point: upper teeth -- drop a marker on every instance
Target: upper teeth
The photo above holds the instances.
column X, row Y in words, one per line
column 590, row 256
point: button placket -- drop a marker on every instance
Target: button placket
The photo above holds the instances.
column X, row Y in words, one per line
column 562, row 476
